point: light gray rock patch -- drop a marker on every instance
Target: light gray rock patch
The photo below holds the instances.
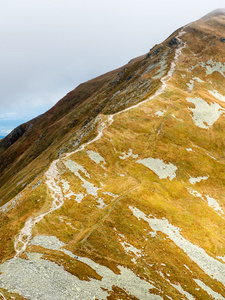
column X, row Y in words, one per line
column 65, row 185
column 79, row 197
column 195, row 193
column 129, row 154
column 160, row 113
column 161, row 71
column 129, row 249
column 77, row 169
column 101, row 203
column 217, row 95
column 208, row 290
column 160, row 168
column 204, row 114
column 162, row 64
column 193, row 67
column 68, row 193
column 190, row 85
column 177, row 286
column 182, row 291
column 198, row 79
column 40, row 279
column 37, row 278
column 96, row 157
column 213, row 66
column 126, row 280
column 214, row 268
column 211, row 201
column 192, row 82
column 193, row 180
column 48, row 242
column 214, row 204
column 221, row 257
column 90, row 188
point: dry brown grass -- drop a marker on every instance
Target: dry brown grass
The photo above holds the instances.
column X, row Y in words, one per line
column 98, row 233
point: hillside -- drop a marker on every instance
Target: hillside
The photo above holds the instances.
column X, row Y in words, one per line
column 117, row 192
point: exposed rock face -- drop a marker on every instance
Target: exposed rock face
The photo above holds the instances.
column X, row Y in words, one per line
column 173, row 41
column 117, row 192
column 17, row 133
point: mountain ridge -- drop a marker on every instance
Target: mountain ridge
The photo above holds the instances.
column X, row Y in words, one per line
column 136, row 209
column 60, row 116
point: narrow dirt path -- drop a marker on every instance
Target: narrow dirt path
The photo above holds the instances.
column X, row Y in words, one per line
column 52, row 180
column 85, row 234
column 164, row 79
column 53, row 175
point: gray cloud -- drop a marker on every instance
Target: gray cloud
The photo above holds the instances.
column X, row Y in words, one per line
column 48, row 47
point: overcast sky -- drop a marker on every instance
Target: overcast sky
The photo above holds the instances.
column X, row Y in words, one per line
column 48, row 47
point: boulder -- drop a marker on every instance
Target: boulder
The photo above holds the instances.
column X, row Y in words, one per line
column 174, row 41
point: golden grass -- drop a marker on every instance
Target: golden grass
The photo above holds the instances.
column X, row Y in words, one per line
column 99, row 233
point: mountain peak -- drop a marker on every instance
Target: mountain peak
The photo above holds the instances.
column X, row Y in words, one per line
column 214, row 13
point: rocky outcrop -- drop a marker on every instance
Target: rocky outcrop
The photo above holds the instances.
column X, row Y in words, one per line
column 173, row 41
column 17, row 133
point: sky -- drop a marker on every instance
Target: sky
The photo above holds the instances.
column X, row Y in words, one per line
column 48, row 47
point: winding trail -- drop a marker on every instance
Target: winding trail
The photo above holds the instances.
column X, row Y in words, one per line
column 53, row 175
column 25, row 235
column 163, row 79
column 52, row 181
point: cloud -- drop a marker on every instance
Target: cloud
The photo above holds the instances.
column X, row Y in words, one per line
column 8, row 116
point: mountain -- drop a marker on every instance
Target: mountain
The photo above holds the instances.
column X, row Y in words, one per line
column 117, row 192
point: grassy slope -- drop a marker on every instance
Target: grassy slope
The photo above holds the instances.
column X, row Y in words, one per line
column 97, row 232
column 61, row 128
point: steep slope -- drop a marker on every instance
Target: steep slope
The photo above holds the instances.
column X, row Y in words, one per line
column 133, row 207
column 69, row 122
